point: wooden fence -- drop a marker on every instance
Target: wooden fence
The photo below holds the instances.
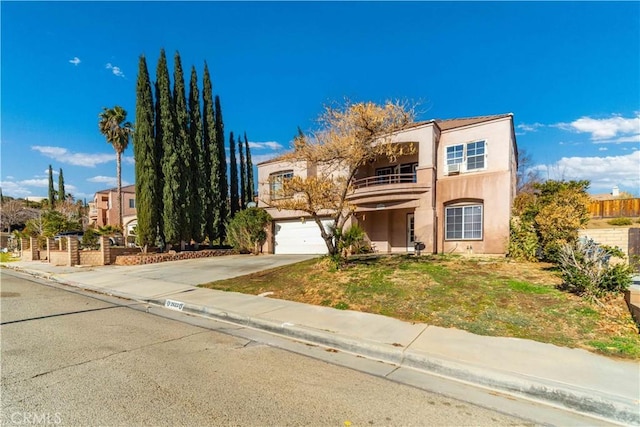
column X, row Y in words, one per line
column 615, row 208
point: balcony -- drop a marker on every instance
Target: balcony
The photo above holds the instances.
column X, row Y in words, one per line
column 392, row 190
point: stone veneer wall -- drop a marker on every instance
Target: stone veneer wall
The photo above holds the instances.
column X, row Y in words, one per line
column 139, row 258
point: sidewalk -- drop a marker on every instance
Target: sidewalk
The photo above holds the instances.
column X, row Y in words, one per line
column 570, row 378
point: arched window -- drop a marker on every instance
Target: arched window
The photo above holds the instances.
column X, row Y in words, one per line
column 463, row 221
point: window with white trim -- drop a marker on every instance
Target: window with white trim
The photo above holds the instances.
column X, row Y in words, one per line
column 471, row 155
column 275, row 183
column 463, row 222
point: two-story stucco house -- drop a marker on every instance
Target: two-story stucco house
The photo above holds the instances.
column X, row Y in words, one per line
column 453, row 195
column 103, row 210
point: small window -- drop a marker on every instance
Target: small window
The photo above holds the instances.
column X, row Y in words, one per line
column 474, row 153
column 132, row 203
column 275, row 183
column 455, row 154
column 463, row 222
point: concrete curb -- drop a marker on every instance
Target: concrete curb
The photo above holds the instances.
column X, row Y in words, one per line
column 594, row 403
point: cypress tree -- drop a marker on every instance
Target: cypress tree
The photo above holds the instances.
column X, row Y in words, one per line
column 52, row 191
column 222, row 203
column 159, row 154
column 61, row 191
column 243, row 176
column 233, row 178
column 197, row 176
column 170, row 155
column 210, row 205
column 250, row 183
column 146, row 165
column 184, row 164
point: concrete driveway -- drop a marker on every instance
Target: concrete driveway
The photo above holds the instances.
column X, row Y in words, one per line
column 203, row 270
column 155, row 280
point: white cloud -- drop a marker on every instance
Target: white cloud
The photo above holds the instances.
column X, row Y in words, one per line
column 36, row 182
column 46, row 172
column 602, row 149
column 10, row 177
column 273, row 145
column 75, row 61
column 14, row 189
column 63, row 155
column 110, row 181
column 602, row 172
column 533, row 127
column 130, row 160
column 114, row 69
column 614, row 129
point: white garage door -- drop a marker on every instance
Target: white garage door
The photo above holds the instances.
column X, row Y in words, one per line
column 296, row 237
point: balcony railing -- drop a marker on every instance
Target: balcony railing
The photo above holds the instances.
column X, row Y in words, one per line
column 398, row 178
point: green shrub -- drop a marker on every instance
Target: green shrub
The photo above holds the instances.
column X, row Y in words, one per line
column 523, row 240
column 89, row 239
column 246, row 231
column 586, row 270
column 620, row 221
column 352, row 241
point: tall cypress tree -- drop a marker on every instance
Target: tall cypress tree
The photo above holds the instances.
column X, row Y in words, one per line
column 184, row 166
column 146, row 165
column 212, row 190
column 243, row 175
column 250, row 183
column 197, row 177
column 170, row 155
column 52, row 191
column 159, row 155
column 61, row 192
column 233, row 178
column 222, row 211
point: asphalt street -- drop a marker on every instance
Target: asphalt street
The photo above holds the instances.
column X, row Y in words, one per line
column 71, row 359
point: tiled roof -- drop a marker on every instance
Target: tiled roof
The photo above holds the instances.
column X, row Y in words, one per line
column 125, row 189
column 457, row 123
column 446, row 124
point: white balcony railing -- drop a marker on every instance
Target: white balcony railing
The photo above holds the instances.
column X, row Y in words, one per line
column 398, row 178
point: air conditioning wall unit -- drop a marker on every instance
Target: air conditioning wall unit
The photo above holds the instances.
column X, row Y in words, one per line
column 453, row 169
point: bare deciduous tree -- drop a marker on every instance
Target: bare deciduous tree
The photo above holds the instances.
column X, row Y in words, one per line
column 349, row 136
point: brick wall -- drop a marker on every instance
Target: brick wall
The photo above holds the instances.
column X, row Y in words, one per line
column 91, row 258
column 609, row 236
column 139, row 258
column 58, row 257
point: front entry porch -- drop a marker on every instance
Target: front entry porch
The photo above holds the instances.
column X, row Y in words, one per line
column 390, row 231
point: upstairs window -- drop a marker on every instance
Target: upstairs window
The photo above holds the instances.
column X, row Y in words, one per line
column 275, row 183
column 470, row 156
column 132, row 203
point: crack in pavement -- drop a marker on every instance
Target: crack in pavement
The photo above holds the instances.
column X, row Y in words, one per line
column 114, row 354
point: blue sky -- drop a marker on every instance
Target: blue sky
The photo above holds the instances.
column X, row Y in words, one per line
column 569, row 72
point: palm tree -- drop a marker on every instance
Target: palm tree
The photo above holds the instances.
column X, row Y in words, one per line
column 117, row 130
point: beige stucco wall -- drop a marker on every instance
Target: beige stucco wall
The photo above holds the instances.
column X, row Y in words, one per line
column 494, row 186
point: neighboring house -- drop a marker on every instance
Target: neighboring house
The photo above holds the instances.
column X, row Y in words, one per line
column 104, row 208
column 454, row 194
